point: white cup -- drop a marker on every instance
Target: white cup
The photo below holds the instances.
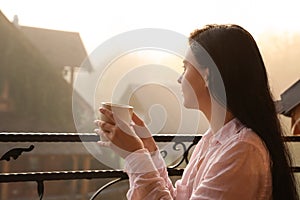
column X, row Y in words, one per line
column 124, row 112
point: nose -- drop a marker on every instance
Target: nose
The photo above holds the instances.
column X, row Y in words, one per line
column 179, row 79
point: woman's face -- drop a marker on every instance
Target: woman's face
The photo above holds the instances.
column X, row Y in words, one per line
column 194, row 90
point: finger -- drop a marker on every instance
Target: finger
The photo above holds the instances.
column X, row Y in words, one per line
column 137, row 120
column 104, row 136
column 101, row 132
column 96, row 122
column 105, row 126
column 107, row 113
column 98, row 131
column 104, row 144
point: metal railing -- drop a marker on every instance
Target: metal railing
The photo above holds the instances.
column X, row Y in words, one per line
column 118, row 175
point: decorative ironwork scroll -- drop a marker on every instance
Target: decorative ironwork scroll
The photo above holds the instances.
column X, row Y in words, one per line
column 15, row 153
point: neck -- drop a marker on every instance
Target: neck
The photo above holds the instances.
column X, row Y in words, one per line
column 217, row 123
column 218, row 116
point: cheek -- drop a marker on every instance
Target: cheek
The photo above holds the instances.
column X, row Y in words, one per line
column 182, row 83
column 189, row 95
column 185, row 85
column 191, row 83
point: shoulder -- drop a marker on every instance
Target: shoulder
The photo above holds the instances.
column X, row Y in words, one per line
column 247, row 142
column 248, row 136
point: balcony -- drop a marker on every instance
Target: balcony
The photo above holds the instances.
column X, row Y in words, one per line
column 83, row 179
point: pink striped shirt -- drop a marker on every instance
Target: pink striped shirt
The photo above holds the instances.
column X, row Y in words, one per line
column 231, row 164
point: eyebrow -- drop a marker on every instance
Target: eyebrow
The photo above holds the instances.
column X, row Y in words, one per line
column 187, row 62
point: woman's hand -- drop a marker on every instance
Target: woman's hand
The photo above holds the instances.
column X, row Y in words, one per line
column 121, row 136
column 143, row 132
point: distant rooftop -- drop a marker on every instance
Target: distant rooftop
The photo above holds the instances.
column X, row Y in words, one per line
column 290, row 98
column 61, row 48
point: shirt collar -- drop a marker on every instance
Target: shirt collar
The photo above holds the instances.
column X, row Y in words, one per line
column 231, row 128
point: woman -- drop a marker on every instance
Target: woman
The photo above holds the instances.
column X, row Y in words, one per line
column 242, row 155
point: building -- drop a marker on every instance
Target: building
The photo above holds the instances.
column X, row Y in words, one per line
column 289, row 106
column 36, row 96
column 37, row 69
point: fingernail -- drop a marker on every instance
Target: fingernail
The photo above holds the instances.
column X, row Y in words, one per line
column 96, row 121
column 101, row 109
column 103, row 144
column 131, row 123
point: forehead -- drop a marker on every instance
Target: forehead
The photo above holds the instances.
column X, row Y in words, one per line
column 188, row 65
column 190, row 58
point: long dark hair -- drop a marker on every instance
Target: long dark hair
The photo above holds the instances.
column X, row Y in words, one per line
column 248, row 95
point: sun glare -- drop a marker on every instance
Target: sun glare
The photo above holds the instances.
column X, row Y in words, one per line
column 97, row 21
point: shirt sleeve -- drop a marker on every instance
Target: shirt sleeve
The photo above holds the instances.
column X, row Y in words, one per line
column 239, row 173
column 162, row 169
column 148, row 178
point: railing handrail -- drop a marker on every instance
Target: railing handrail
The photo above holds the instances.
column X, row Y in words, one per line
column 83, row 137
column 71, row 175
column 93, row 137
column 80, row 174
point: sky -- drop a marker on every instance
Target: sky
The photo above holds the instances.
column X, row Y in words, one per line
column 98, row 21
